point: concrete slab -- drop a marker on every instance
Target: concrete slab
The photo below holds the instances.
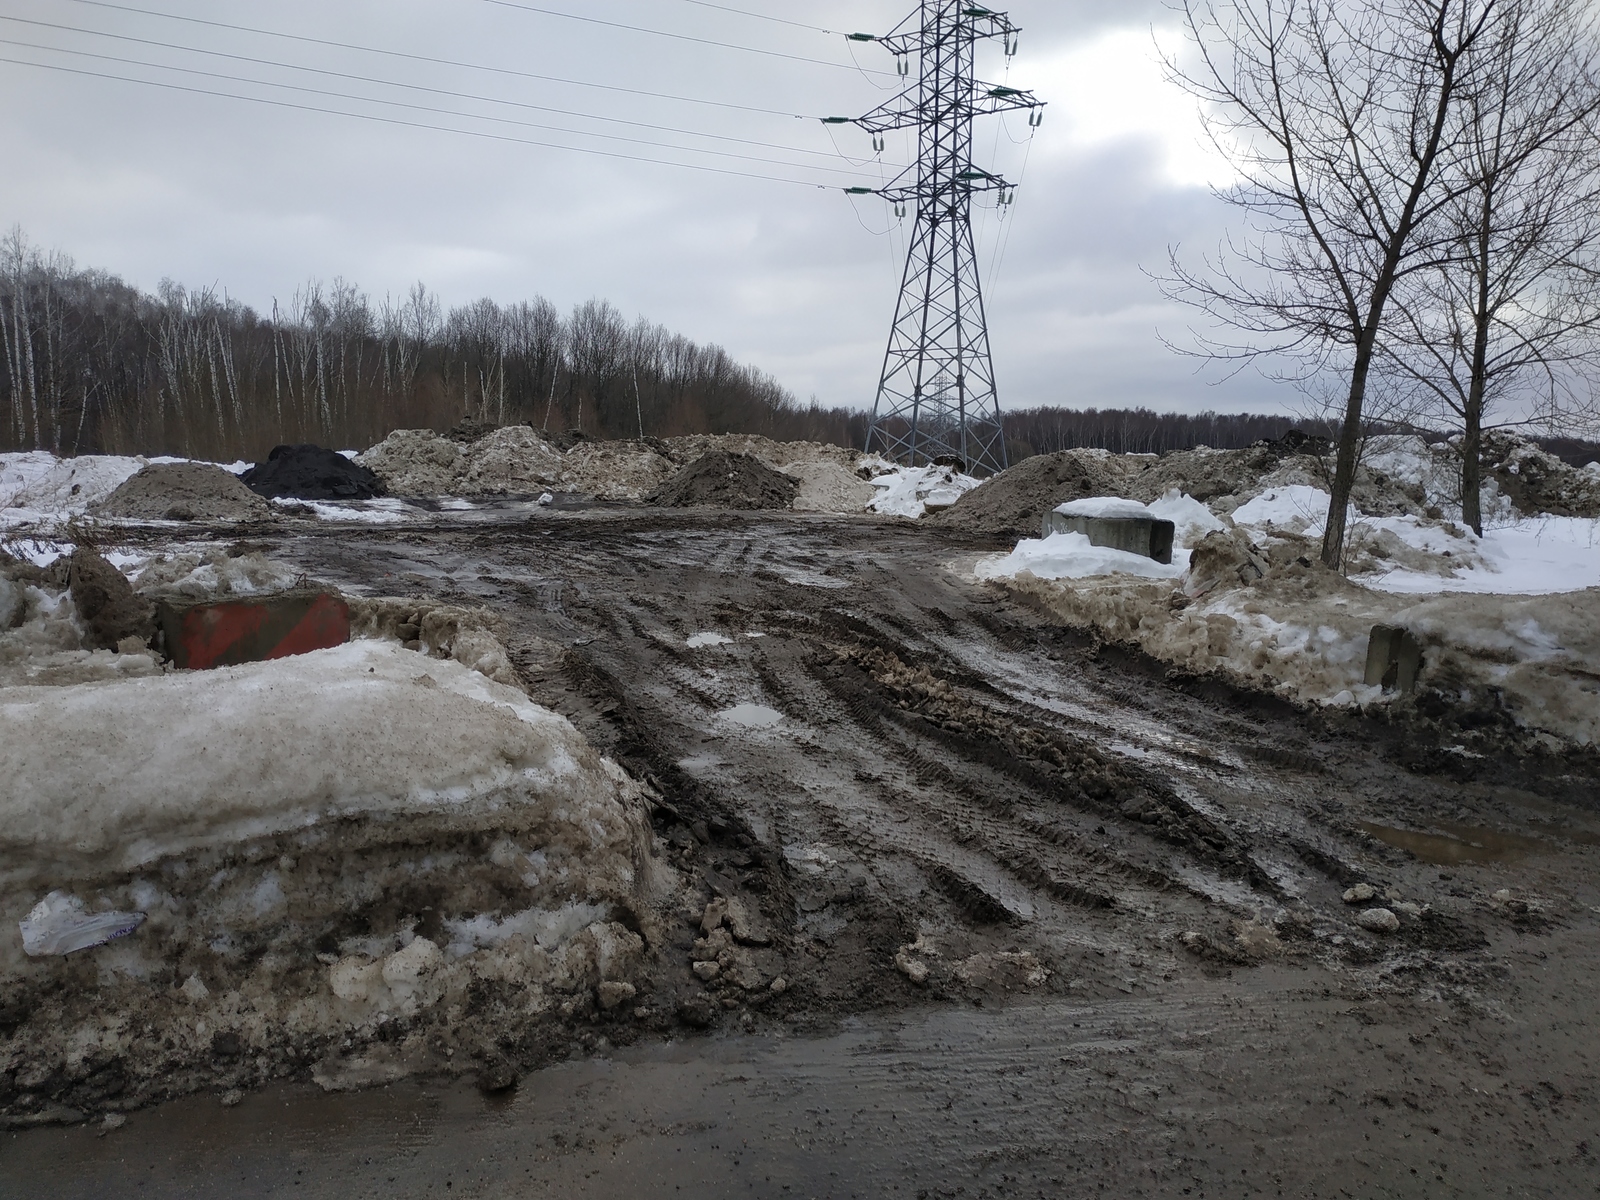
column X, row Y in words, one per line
column 1394, row 658
column 1149, row 537
column 201, row 636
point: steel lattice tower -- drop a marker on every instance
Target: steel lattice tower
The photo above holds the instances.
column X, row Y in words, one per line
column 937, row 394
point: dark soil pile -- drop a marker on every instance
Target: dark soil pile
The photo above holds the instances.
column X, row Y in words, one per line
column 111, row 611
column 565, row 439
column 473, row 427
column 724, row 480
column 1013, row 503
column 184, row 492
column 1538, row 482
column 311, row 473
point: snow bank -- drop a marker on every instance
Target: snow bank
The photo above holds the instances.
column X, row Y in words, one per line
column 246, row 751
column 296, row 841
column 37, row 486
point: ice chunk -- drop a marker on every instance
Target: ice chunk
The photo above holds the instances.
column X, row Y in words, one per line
column 60, row 924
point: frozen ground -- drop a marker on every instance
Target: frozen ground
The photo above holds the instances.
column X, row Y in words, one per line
column 1032, row 862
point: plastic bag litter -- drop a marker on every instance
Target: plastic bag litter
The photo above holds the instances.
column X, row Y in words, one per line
column 60, row 924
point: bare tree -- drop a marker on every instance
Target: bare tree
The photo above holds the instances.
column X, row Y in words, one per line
column 1335, row 115
column 1509, row 317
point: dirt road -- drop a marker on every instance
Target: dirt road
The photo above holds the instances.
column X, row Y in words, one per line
column 1096, row 912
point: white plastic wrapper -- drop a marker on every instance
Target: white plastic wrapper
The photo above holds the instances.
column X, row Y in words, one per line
column 60, row 924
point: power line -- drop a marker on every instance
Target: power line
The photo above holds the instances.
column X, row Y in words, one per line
column 764, row 17
column 678, row 37
column 381, row 120
column 438, row 62
column 416, row 87
column 610, row 137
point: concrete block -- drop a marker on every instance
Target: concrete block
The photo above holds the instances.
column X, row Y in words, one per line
column 1146, row 536
column 201, row 636
column 1394, row 658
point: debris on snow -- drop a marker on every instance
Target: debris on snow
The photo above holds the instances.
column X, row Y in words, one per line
column 61, row 924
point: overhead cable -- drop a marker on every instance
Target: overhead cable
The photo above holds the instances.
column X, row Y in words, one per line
column 473, row 133
column 438, row 62
column 678, row 37
column 311, row 91
column 741, row 12
column 415, row 87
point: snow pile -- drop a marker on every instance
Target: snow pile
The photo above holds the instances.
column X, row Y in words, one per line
column 211, row 574
column 1525, row 556
column 514, row 461
column 1074, row 556
column 416, row 462
column 309, row 739
column 43, row 638
column 1538, row 482
column 1190, row 519
column 828, row 487
column 913, row 491
column 615, row 470
column 37, row 486
column 302, row 839
column 1108, row 508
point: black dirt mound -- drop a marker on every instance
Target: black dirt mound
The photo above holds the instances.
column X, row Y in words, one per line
column 566, row 439
column 1012, row 504
column 724, row 480
column 111, row 611
column 473, row 427
column 311, row 473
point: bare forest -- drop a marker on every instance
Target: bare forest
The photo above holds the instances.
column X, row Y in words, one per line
column 92, row 365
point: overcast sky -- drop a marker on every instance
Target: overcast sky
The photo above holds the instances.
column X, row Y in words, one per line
column 783, row 269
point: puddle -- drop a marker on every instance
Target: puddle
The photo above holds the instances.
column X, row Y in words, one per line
column 701, row 640
column 753, row 716
column 1459, row 844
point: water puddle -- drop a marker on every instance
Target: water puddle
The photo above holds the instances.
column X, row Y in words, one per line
column 1459, row 844
column 752, row 716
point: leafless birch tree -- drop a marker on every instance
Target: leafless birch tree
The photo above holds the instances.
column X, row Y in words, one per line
column 1509, row 318
column 1335, row 115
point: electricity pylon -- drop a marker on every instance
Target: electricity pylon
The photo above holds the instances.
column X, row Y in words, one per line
column 937, row 394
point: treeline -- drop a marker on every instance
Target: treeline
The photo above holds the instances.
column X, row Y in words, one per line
column 94, row 366
column 1032, row 431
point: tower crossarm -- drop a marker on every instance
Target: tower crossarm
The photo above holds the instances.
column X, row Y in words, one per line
column 979, row 23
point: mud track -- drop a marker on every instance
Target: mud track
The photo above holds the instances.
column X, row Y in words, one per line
column 951, row 805
column 958, row 795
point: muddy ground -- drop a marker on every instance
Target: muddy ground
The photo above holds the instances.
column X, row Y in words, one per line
column 1077, row 923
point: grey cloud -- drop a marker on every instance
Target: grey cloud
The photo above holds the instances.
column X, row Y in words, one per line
column 150, row 183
